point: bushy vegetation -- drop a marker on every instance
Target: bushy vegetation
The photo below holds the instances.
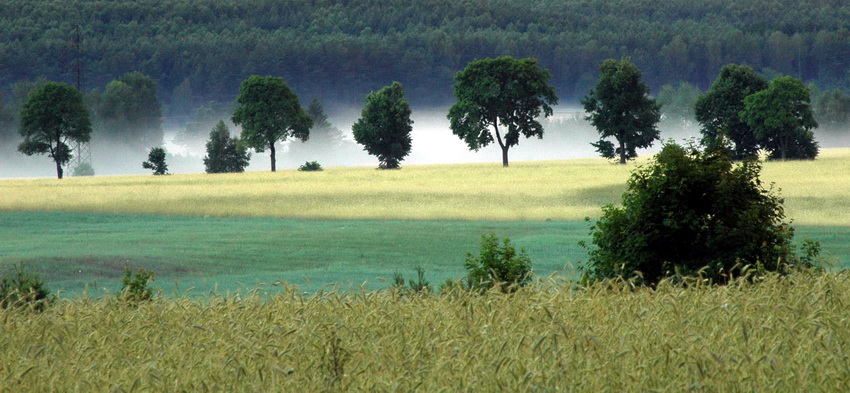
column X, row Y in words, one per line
column 83, row 169
column 224, row 153
column 692, row 212
column 135, row 286
column 497, row 266
column 784, row 333
column 310, row 166
column 20, row 287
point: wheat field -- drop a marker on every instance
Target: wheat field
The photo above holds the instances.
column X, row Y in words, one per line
column 782, row 334
column 815, row 191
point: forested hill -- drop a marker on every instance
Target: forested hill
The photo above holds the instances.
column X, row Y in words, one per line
column 201, row 50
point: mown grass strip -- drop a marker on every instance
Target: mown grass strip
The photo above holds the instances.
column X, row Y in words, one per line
column 71, row 250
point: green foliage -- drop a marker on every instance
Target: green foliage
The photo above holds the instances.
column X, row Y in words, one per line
column 83, row 169
column 831, row 108
column 53, row 116
column 310, row 166
column 384, row 126
column 497, row 266
column 507, row 92
column 203, row 119
column 269, row 111
column 135, row 286
column 224, row 153
column 718, row 110
column 782, row 120
column 156, row 161
column 20, row 287
column 679, row 101
column 130, row 111
column 619, row 106
column 691, row 212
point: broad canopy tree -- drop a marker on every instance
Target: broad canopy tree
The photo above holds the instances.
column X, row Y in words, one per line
column 53, row 116
column 781, row 119
column 619, row 106
column 269, row 111
column 507, row 92
column 384, row 126
column 718, row 110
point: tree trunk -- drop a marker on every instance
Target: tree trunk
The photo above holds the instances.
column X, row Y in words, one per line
column 622, row 152
column 502, row 145
column 59, row 171
column 783, row 147
column 271, row 152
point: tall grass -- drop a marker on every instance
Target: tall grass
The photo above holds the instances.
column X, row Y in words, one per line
column 781, row 334
column 815, row 192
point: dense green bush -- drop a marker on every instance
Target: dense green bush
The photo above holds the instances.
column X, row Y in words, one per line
column 497, row 266
column 310, row 166
column 136, row 286
column 692, row 212
column 20, row 287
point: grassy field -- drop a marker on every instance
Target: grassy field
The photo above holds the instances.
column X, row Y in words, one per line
column 72, row 250
column 815, row 192
column 779, row 335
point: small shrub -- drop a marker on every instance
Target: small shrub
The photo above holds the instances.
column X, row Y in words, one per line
column 310, row 166
column 497, row 265
column 156, row 161
column 420, row 285
column 21, row 288
column 84, row 169
column 136, row 286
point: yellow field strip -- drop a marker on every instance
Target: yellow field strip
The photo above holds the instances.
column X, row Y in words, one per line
column 816, row 192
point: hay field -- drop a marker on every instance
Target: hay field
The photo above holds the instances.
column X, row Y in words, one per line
column 815, row 192
column 780, row 335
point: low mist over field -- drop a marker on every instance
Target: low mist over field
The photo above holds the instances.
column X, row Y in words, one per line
column 567, row 135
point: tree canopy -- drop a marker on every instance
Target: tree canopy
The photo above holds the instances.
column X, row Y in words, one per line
column 782, row 119
column 224, row 153
column 384, row 126
column 718, row 110
column 156, row 161
column 269, row 111
column 619, row 106
column 130, row 111
column 53, row 116
column 507, row 92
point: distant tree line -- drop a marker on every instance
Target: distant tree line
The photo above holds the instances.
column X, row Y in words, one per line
column 200, row 51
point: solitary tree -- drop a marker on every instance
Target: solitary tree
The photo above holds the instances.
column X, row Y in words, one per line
column 224, row 153
column 507, row 92
column 384, row 126
column 156, row 161
column 130, row 111
column 269, row 111
column 54, row 115
column 718, row 110
column 782, row 119
column 619, row 106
